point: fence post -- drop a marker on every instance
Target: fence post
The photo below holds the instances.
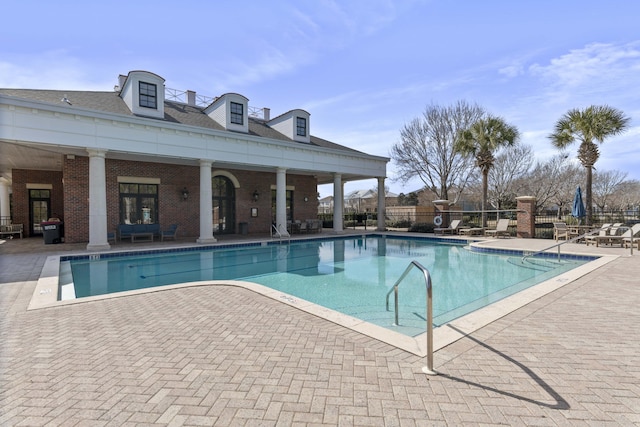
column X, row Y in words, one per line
column 526, row 217
column 442, row 209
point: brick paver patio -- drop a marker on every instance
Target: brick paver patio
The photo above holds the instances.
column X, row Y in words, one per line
column 225, row 356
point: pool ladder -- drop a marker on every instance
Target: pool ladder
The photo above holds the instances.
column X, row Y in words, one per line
column 427, row 279
column 276, row 232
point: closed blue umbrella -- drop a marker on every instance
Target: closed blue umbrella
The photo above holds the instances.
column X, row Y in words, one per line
column 578, row 211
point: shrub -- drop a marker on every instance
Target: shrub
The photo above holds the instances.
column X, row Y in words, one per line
column 422, row 227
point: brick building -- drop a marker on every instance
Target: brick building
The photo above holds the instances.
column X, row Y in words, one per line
column 143, row 153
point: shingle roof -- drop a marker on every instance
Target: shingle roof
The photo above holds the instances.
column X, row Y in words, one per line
column 174, row 112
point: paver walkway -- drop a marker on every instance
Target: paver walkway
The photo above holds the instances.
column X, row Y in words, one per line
column 225, row 356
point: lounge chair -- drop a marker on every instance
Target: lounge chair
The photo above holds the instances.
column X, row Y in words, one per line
column 170, row 233
column 502, row 229
column 604, row 231
column 617, row 238
column 471, row 231
column 452, row 228
column 634, row 233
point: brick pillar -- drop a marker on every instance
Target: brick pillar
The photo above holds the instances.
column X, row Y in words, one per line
column 526, row 217
column 442, row 209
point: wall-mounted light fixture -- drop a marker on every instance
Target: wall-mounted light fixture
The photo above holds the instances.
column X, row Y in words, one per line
column 256, row 196
column 185, row 193
column 306, row 199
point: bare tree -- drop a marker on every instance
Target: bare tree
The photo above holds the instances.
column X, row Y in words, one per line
column 426, row 149
column 605, row 184
column 626, row 196
column 553, row 182
column 506, row 175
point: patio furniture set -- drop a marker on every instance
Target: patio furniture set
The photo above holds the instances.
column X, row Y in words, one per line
column 607, row 234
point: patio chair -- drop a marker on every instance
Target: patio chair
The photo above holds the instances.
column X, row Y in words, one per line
column 502, row 229
column 170, row 233
column 560, row 231
column 452, row 228
column 313, row 226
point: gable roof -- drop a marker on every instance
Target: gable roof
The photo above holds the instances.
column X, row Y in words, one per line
column 174, row 112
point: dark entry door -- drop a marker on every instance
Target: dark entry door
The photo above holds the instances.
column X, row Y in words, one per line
column 224, row 205
column 39, row 210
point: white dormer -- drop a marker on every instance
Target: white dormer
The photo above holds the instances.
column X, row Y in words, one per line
column 293, row 124
column 230, row 111
column 143, row 92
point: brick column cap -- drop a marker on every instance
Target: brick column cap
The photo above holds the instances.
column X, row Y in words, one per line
column 525, row 198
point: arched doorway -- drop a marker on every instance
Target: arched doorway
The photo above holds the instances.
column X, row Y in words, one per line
column 224, row 205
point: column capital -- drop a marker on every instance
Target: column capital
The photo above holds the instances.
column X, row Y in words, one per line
column 94, row 152
column 205, row 163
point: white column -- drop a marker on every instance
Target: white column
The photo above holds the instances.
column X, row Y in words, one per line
column 97, row 201
column 5, row 212
column 281, row 201
column 338, row 202
column 206, row 204
column 381, row 204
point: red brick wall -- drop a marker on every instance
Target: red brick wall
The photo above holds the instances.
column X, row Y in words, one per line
column 76, row 199
column 172, row 207
column 305, row 186
column 526, row 216
column 20, row 178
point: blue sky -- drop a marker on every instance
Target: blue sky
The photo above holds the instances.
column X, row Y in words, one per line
column 362, row 69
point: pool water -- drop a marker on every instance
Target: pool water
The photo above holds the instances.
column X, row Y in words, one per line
column 349, row 275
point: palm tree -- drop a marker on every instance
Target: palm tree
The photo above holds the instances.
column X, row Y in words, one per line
column 481, row 140
column 594, row 123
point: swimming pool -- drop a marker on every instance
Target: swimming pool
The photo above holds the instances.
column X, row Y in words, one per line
column 351, row 275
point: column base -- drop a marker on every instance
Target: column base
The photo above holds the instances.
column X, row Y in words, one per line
column 206, row 240
column 98, row 247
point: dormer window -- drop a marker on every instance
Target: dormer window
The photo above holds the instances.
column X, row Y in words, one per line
column 230, row 112
column 143, row 92
column 301, row 126
column 148, row 95
column 293, row 124
column 237, row 113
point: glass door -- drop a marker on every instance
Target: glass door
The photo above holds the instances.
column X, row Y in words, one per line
column 39, row 210
column 224, row 202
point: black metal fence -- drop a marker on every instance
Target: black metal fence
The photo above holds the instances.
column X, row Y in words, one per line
column 425, row 223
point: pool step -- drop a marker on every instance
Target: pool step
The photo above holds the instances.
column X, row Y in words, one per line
column 411, row 322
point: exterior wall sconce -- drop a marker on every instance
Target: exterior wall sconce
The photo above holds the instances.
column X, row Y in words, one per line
column 185, row 193
column 306, row 199
column 256, row 196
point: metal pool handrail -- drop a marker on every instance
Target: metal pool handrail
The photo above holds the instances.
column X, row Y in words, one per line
column 427, row 278
column 274, row 230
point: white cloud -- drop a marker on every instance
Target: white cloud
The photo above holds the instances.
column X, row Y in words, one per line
column 596, row 61
column 51, row 70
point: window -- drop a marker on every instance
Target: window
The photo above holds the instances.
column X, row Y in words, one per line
column 237, row 113
column 301, row 126
column 138, row 203
column 148, row 95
